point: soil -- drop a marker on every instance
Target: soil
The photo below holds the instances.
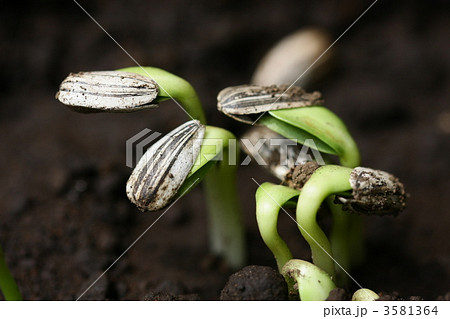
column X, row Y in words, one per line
column 65, row 218
column 255, row 283
column 301, row 174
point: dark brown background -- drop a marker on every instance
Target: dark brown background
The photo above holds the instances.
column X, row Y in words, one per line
column 64, row 216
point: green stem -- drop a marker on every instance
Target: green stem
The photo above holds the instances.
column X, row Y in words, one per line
column 340, row 241
column 346, row 241
column 172, row 86
column 7, row 284
column 325, row 181
column 226, row 226
column 326, row 129
column 269, row 199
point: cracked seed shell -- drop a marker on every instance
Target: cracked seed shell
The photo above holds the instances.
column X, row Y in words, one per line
column 374, row 192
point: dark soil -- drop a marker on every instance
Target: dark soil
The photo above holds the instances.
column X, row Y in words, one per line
column 255, row 283
column 301, row 174
column 64, row 214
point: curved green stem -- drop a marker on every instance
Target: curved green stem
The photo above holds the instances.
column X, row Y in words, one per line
column 328, row 133
column 172, row 86
column 269, row 199
column 8, row 285
column 325, row 181
column 226, row 226
column 313, row 283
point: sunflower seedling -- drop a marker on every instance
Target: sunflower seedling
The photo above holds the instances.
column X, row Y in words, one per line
column 178, row 161
column 127, row 90
column 360, row 190
column 293, row 113
column 301, row 117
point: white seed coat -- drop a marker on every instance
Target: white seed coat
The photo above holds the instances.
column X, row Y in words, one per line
column 289, row 59
column 111, row 91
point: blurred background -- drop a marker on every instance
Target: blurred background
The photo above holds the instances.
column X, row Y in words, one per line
column 64, row 215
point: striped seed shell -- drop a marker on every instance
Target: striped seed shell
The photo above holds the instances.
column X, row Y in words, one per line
column 164, row 167
column 374, row 192
column 246, row 103
column 107, row 91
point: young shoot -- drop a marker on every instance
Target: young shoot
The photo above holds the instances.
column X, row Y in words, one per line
column 8, row 286
column 293, row 113
column 269, row 200
column 312, row 283
column 300, row 116
column 179, row 161
column 361, row 190
column 127, row 90
column 135, row 89
column 226, row 225
column 364, row 294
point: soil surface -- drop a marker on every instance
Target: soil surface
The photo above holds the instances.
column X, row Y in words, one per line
column 64, row 215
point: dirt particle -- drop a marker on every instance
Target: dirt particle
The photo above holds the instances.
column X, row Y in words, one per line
column 301, row 174
column 255, row 283
column 338, row 294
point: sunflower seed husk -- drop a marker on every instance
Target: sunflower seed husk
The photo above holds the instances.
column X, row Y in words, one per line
column 107, row 91
column 302, row 57
column 374, row 192
column 246, row 103
column 164, row 167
